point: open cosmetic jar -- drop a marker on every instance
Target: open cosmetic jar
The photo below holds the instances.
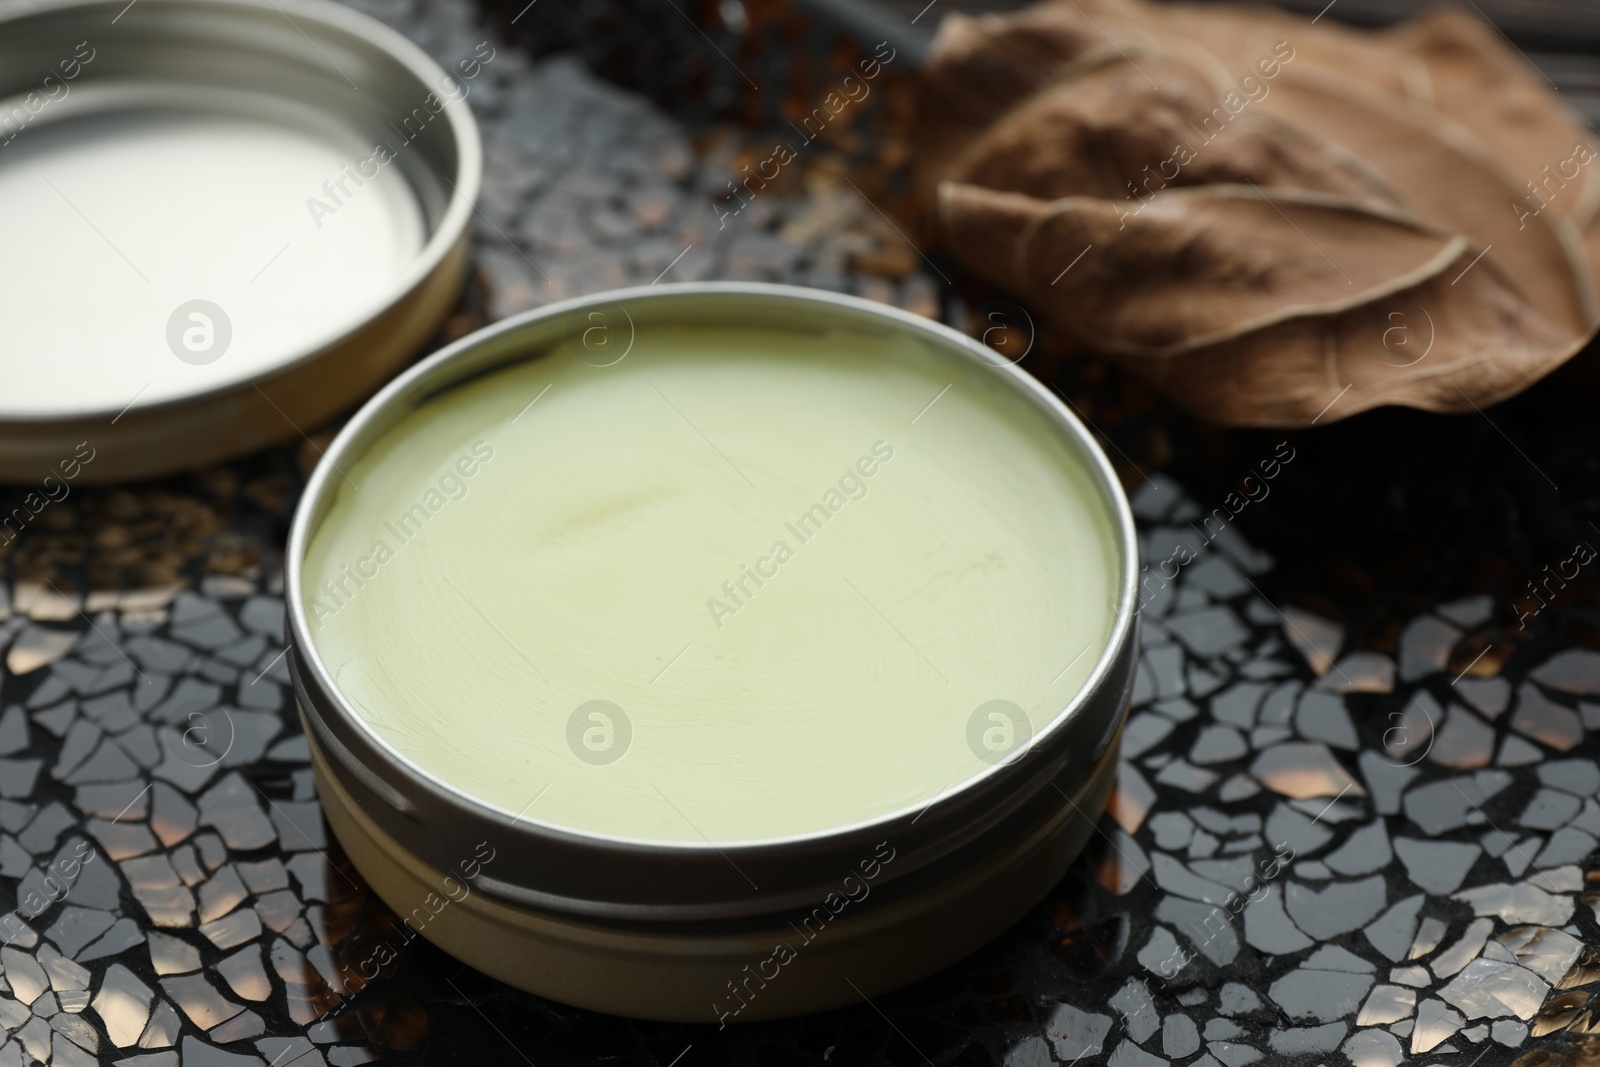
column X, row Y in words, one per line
column 224, row 220
column 713, row 652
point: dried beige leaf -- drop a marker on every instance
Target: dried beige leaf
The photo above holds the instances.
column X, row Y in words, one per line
column 985, row 65
column 1450, row 180
column 988, row 63
column 1261, row 213
column 1240, row 36
column 1193, row 267
column 1475, row 81
column 1106, row 132
column 1441, row 346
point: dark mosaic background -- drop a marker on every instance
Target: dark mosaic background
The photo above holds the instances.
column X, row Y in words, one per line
column 1340, row 674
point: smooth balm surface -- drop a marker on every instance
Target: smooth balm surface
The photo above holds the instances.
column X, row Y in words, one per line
column 790, row 582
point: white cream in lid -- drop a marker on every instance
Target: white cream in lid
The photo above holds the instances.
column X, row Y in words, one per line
column 803, row 568
column 150, row 209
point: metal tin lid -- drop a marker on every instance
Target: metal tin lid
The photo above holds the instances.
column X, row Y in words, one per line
column 550, row 867
column 226, row 220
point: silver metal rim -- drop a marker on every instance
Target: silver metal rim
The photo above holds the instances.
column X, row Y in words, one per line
column 330, row 715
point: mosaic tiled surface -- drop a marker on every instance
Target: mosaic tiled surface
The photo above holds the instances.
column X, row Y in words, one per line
column 1366, row 844
column 1283, row 877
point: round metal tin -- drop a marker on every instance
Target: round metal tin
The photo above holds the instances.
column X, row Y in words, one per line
column 226, row 220
column 1000, row 838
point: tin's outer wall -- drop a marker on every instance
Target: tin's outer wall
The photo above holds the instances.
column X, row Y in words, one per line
column 591, row 878
column 220, row 44
column 684, row 975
